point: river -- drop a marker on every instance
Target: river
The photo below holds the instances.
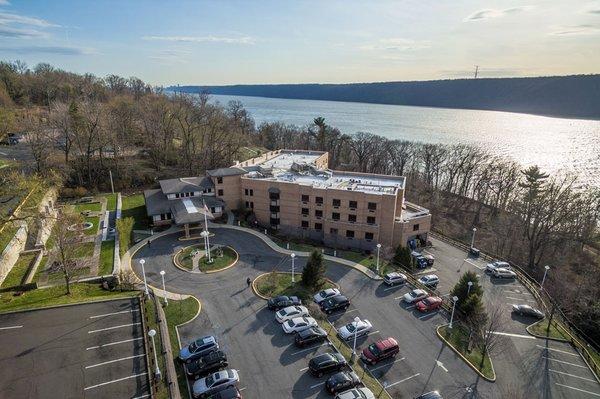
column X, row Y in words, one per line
column 555, row 144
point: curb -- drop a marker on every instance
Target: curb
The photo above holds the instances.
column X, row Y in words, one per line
column 543, row 336
column 471, row 365
column 266, row 298
column 74, row 303
column 179, row 266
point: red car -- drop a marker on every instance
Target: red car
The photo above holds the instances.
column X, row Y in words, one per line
column 380, row 350
column 429, row 304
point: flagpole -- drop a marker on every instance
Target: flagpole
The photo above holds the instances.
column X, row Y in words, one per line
column 206, row 228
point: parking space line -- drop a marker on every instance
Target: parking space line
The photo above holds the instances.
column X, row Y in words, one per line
column 242, row 389
column 115, row 313
column 572, row 375
column 398, row 382
column 113, row 361
column 350, row 311
column 304, row 369
column 309, row 349
column 142, row 396
column 428, row 314
column 563, row 362
column 410, row 307
column 115, row 327
column 473, row 264
column 317, row 385
column 10, row 328
column 394, row 287
column 113, row 381
column 558, row 350
column 372, row 333
column 114, row 343
column 577, row 389
column 398, row 297
column 512, row 335
column 521, row 299
column 387, row 364
column 428, row 271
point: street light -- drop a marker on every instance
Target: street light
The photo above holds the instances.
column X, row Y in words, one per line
column 473, row 237
column 206, row 234
column 454, row 299
column 152, row 333
column 544, row 278
column 378, row 248
column 356, row 320
column 293, row 255
column 470, row 284
column 142, row 261
column 162, row 274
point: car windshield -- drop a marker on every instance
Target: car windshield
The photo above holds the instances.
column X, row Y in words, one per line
column 374, row 349
column 290, row 323
column 323, row 293
column 210, row 380
column 414, row 294
column 426, row 301
column 351, row 327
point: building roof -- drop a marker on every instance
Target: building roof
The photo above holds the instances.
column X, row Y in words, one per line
column 183, row 210
column 156, row 202
column 185, row 184
column 222, row 172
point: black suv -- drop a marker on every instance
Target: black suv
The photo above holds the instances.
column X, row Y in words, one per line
column 280, row 302
column 207, row 364
column 313, row 334
column 326, row 363
column 341, row 381
column 334, row 303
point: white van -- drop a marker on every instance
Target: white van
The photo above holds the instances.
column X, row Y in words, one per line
column 504, row 273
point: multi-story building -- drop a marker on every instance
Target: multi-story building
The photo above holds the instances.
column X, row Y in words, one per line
column 294, row 192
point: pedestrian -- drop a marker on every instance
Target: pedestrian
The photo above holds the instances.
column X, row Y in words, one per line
column 248, row 281
column 149, row 242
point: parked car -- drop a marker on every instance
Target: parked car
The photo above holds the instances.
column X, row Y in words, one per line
column 198, row 348
column 526, row 310
column 430, row 395
column 504, row 273
column 430, row 303
column 430, row 259
column 380, row 350
column 419, row 260
column 215, row 382
column 328, row 293
column 227, row 393
column 341, row 381
column 490, row 267
column 430, row 280
column 298, row 324
column 280, row 302
column 358, row 328
column 312, row 334
column 394, row 278
column 290, row 312
column 415, row 296
column 334, row 303
column 326, row 363
column 356, row 393
column 214, row 361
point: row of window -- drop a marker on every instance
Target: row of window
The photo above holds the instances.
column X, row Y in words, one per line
column 372, row 206
column 336, row 216
column 334, row 231
column 249, row 192
column 183, row 195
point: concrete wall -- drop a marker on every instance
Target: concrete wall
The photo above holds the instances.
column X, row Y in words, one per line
column 232, row 190
column 9, row 256
column 48, row 211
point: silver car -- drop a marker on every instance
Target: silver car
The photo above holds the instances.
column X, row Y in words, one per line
column 490, row 267
column 215, row 382
column 356, row 393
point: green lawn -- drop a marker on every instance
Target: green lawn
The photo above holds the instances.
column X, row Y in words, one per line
column 58, row 276
column 274, row 284
column 295, row 245
column 16, row 276
column 90, row 206
column 84, row 250
column 541, row 329
column 185, row 258
column 134, row 206
column 107, row 253
column 458, row 336
column 95, row 220
column 111, row 202
column 43, row 297
column 7, row 234
column 40, row 269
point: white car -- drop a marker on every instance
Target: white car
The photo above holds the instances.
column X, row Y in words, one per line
column 328, row 293
column 394, row 278
column 504, row 273
column 215, row 382
column 298, row 324
column 430, row 280
column 356, row 393
column 360, row 328
column 490, row 267
column 414, row 296
column 290, row 312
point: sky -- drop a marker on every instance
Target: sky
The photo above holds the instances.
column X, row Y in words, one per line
column 236, row 42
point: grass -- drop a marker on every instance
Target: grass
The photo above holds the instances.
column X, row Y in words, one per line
column 185, row 258
column 40, row 269
column 276, row 283
column 7, row 234
column 541, row 329
column 458, row 336
column 353, row 256
column 95, row 220
column 135, row 206
column 111, row 202
column 84, row 250
column 17, row 274
column 58, row 276
column 107, row 253
column 162, row 391
column 90, row 206
column 40, row 298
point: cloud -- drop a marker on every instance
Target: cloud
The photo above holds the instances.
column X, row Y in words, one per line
column 482, row 73
column 396, row 44
column 596, row 11
column 10, row 18
column 17, row 33
column 576, row 30
column 171, row 56
column 4, row 3
column 490, row 13
column 203, row 39
column 56, row 50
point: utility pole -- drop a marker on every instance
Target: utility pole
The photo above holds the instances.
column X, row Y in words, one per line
column 112, row 186
column 476, row 71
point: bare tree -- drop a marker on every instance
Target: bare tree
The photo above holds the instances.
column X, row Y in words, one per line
column 68, row 237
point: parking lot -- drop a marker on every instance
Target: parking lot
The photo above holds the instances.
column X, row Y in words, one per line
column 89, row 350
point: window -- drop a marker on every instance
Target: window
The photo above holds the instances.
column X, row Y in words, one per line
column 371, row 219
column 333, row 231
column 176, row 195
column 336, row 202
column 318, row 226
column 319, row 213
column 220, row 192
column 372, row 206
column 251, row 192
column 274, row 196
column 247, row 204
column 352, row 218
column 274, row 208
column 335, row 216
column 305, row 211
column 416, row 227
column 319, row 200
column 219, row 180
column 349, row 233
column 246, row 191
column 305, row 198
column 305, row 224
column 368, row 236
column 352, row 204
column 251, row 205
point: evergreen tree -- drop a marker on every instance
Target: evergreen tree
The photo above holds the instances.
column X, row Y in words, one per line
column 403, row 257
column 472, row 302
column 314, row 271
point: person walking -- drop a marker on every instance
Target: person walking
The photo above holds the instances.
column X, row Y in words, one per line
column 248, row 282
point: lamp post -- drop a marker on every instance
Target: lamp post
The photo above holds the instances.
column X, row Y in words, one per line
column 454, row 299
column 293, row 255
column 473, row 237
column 544, row 278
column 142, row 261
column 152, row 333
column 356, row 320
column 162, row 274
column 206, row 234
column 470, row 284
column 378, row 248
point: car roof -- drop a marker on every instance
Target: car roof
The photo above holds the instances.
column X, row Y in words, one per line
column 394, row 274
column 209, row 339
column 429, row 276
column 433, row 299
column 338, row 298
column 386, row 343
column 419, row 291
